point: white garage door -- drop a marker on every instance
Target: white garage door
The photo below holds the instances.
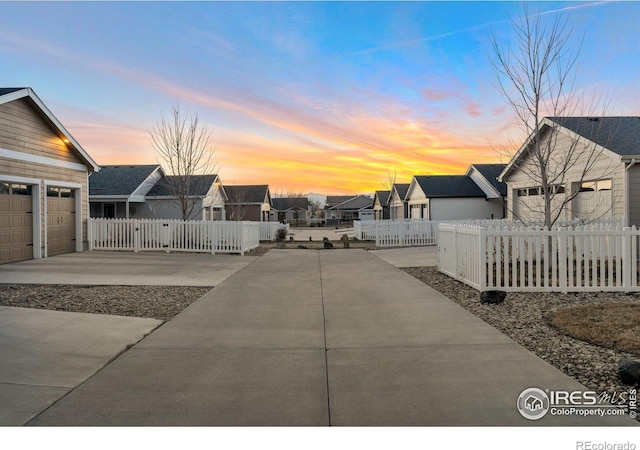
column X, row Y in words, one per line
column 16, row 222
column 594, row 201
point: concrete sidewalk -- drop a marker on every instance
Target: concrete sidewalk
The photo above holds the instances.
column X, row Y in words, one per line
column 334, row 337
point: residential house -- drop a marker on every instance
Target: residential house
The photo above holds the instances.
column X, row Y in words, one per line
column 143, row 192
column 43, row 181
column 117, row 191
column 398, row 206
column 292, row 210
column 248, row 202
column 359, row 207
column 450, row 197
column 486, row 177
column 603, row 180
column 381, row 205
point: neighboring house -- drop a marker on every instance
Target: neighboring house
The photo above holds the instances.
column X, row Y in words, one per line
column 486, row 177
column 359, row 207
column 381, row 205
column 206, row 199
column 142, row 192
column 398, row 206
column 293, row 210
column 450, row 197
column 119, row 191
column 248, row 202
column 611, row 186
column 335, row 200
column 43, row 181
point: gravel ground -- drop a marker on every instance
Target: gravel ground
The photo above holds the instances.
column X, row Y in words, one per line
column 157, row 302
column 522, row 318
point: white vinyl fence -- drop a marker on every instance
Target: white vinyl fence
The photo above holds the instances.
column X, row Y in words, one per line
column 173, row 235
column 596, row 257
column 269, row 230
column 397, row 233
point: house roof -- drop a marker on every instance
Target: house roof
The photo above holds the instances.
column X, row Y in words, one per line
column 286, row 203
column 355, row 203
column 248, row 193
column 199, row 185
column 383, row 197
column 401, row 189
column 119, row 180
column 618, row 134
column 333, row 200
column 491, row 172
column 441, row 186
column 11, row 94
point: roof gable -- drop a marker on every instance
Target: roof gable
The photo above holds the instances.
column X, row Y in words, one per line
column 381, row 198
column 490, row 173
column 401, row 189
column 12, row 94
column 120, row 180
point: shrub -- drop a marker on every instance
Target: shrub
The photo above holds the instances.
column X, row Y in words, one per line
column 281, row 234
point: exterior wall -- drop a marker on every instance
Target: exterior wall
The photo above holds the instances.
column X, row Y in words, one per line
column 22, row 130
column 252, row 213
column 465, row 208
column 607, row 166
column 163, row 209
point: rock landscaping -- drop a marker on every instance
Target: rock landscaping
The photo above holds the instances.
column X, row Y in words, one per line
column 522, row 317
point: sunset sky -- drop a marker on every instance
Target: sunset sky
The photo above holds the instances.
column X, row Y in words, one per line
column 303, row 96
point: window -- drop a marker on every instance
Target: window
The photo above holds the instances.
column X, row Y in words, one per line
column 20, row 189
column 598, row 185
column 4, row 188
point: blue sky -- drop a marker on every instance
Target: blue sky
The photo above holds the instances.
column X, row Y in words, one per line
column 304, row 96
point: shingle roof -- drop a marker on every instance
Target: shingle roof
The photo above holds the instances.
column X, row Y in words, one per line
column 402, row 189
column 383, row 197
column 248, row 193
column 285, row 203
column 198, row 186
column 119, row 180
column 491, row 172
column 618, row 134
column 333, row 200
column 435, row 186
column 4, row 91
column 355, row 203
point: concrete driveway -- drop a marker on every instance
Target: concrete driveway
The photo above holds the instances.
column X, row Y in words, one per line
column 122, row 268
column 47, row 354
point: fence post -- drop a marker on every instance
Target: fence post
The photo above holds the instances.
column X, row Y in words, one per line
column 626, row 257
column 562, row 259
column 455, row 251
column 136, row 236
column 483, row 258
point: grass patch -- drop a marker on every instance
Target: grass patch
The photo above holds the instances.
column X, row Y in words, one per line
column 610, row 325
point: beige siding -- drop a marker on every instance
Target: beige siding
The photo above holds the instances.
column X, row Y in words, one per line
column 23, row 130
column 606, row 166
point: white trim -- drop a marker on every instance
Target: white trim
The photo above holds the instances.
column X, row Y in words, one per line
column 15, row 179
column 37, row 159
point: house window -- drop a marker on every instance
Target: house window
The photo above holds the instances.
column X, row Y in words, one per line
column 598, row 185
column 21, row 189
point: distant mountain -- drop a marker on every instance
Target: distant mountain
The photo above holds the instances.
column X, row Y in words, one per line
column 315, row 197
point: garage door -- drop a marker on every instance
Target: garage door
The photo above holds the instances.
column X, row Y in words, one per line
column 594, row 201
column 61, row 221
column 16, row 222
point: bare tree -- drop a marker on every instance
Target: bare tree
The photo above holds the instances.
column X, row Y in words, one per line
column 537, row 78
column 183, row 146
column 237, row 204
